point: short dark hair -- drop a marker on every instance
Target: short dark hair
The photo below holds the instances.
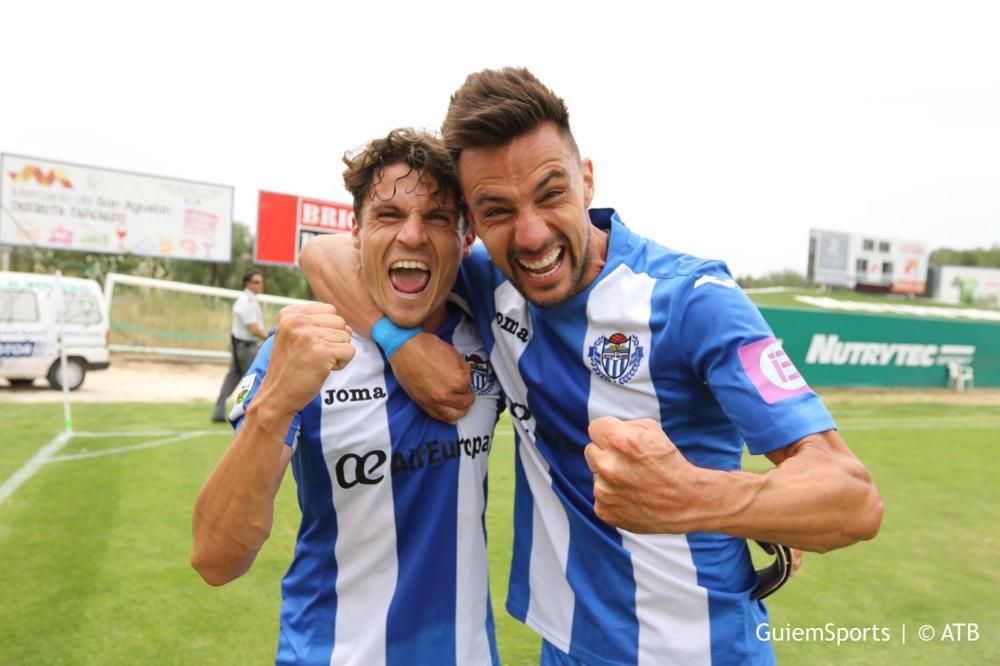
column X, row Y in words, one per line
column 495, row 106
column 419, row 150
column 249, row 275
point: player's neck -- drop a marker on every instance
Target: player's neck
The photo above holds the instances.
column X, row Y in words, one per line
column 435, row 320
column 596, row 256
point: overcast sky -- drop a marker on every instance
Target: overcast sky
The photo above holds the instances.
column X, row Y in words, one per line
column 724, row 129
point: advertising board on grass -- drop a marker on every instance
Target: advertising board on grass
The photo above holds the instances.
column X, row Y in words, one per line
column 854, row 349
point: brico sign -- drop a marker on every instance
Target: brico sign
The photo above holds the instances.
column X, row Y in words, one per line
column 286, row 222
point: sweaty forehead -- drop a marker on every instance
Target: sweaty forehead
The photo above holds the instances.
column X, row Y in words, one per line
column 510, row 180
column 399, row 182
column 523, row 162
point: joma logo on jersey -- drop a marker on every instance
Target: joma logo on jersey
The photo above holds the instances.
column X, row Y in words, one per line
column 512, row 326
column 353, row 395
column 483, row 379
column 353, row 469
column 616, row 357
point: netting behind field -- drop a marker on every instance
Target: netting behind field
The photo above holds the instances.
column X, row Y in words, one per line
column 164, row 317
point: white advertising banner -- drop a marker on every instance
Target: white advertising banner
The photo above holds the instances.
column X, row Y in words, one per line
column 843, row 259
column 969, row 285
column 50, row 204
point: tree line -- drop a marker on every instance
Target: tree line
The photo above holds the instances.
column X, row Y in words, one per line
column 981, row 257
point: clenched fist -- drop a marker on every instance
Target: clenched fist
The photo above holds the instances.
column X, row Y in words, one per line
column 642, row 482
column 311, row 340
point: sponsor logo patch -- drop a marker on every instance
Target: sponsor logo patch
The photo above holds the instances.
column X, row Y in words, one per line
column 771, row 371
column 615, row 358
column 244, row 389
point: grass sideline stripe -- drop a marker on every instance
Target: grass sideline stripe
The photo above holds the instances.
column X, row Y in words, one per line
column 139, row 433
column 29, row 468
column 136, row 447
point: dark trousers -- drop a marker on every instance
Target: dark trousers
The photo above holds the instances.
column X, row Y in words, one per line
column 243, row 353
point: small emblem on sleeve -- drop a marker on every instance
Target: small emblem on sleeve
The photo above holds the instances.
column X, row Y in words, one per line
column 483, row 379
column 771, row 371
column 615, row 358
column 244, row 389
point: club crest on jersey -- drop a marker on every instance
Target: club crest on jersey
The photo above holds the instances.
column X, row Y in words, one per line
column 483, row 379
column 616, row 357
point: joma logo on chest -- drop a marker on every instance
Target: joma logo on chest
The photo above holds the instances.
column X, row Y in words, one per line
column 512, row 326
column 353, row 395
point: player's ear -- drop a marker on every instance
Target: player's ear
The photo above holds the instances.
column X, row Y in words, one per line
column 587, row 166
column 356, row 234
column 467, row 240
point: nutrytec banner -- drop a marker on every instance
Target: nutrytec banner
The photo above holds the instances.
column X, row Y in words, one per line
column 831, row 350
column 855, row 349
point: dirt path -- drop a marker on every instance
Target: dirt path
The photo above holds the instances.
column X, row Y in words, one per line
column 132, row 379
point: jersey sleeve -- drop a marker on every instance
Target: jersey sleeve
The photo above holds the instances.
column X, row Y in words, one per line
column 729, row 346
column 248, row 388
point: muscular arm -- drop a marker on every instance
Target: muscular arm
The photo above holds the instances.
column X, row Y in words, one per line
column 819, row 497
column 431, row 372
column 234, row 510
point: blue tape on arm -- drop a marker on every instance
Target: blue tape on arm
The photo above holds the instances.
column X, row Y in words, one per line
column 390, row 337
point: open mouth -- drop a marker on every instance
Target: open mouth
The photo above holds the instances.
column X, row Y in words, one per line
column 409, row 277
column 545, row 265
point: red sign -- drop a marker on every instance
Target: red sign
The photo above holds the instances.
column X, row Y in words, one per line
column 286, row 222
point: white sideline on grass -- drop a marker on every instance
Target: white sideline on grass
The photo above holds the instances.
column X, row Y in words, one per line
column 29, row 468
column 47, row 454
column 136, row 447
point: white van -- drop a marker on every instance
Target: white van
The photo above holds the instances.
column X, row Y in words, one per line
column 28, row 344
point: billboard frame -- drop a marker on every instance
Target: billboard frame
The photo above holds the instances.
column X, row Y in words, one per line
column 299, row 200
column 232, row 201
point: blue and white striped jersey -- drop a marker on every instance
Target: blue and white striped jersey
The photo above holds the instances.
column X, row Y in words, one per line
column 390, row 564
column 657, row 335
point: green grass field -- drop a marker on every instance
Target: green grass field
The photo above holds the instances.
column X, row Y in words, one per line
column 94, row 550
